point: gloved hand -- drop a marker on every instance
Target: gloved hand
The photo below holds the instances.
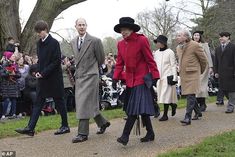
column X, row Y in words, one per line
column 155, row 82
column 114, row 84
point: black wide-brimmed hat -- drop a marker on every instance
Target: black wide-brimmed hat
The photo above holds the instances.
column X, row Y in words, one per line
column 226, row 34
column 200, row 32
column 161, row 39
column 126, row 22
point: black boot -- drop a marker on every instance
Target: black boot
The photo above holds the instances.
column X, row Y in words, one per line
column 150, row 134
column 197, row 111
column 165, row 117
column 203, row 105
column 157, row 110
column 173, row 109
column 127, row 129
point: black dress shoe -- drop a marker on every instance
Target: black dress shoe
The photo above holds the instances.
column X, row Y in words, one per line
column 26, row 131
column 229, row 111
column 185, row 122
column 122, row 140
column 196, row 116
column 148, row 137
column 103, row 128
column 203, row 108
column 62, row 130
column 219, row 103
column 164, row 118
column 79, row 138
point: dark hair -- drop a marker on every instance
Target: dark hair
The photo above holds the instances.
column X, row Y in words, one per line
column 201, row 40
column 41, row 26
column 10, row 38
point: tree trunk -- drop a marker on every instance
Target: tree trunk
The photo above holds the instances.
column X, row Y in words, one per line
column 46, row 10
column 9, row 21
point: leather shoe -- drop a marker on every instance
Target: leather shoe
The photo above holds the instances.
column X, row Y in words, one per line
column 103, row 128
column 185, row 122
column 196, row 116
column 219, row 103
column 148, row 137
column 26, row 131
column 62, row 130
column 229, row 111
column 123, row 140
column 164, row 118
column 79, row 138
column 203, row 108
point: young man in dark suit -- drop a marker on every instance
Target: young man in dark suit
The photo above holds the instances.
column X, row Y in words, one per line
column 50, row 79
column 225, row 68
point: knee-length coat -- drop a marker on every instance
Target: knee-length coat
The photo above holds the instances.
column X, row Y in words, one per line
column 166, row 63
column 87, row 61
column 192, row 63
column 49, row 66
column 204, row 78
column 225, row 67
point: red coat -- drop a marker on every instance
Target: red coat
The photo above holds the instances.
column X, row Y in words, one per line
column 136, row 59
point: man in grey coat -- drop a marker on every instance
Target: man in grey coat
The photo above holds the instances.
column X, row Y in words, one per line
column 89, row 55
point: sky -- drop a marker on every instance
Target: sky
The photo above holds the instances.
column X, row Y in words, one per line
column 101, row 15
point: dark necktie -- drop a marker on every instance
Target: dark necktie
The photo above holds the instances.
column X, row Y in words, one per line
column 223, row 47
column 80, row 44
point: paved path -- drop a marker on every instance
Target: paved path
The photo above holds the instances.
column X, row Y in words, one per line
column 169, row 135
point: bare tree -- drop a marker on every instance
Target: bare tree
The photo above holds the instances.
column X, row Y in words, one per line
column 110, row 45
column 46, row 10
column 161, row 20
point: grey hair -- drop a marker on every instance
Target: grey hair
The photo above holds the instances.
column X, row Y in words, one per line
column 187, row 34
column 80, row 19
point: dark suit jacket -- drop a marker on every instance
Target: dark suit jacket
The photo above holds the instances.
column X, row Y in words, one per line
column 225, row 67
column 49, row 66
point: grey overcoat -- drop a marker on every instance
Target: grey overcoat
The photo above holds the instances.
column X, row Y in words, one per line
column 87, row 62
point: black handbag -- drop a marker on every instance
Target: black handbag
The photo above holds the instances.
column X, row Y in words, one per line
column 170, row 80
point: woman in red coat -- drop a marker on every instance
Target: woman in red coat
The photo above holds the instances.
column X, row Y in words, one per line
column 135, row 57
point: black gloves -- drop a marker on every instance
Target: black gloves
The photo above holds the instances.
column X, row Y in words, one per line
column 114, row 84
column 155, row 82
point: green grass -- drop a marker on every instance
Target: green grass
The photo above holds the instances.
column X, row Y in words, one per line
column 49, row 122
column 222, row 145
column 53, row 122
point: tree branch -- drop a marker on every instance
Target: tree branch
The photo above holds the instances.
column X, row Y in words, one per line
column 60, row 36
column 67, row 3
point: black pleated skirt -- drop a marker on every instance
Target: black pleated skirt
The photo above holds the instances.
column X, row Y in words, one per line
column 139, row 101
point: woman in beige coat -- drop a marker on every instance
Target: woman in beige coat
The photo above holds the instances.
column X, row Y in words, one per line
column 166, row 63
column 204, row 77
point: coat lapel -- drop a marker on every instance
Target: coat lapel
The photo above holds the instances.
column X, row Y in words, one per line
column 181, row 52
column 225, row 50
column 85, row 45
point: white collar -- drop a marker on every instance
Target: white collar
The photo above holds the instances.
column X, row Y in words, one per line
column 83, row 37
column 45, row 38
